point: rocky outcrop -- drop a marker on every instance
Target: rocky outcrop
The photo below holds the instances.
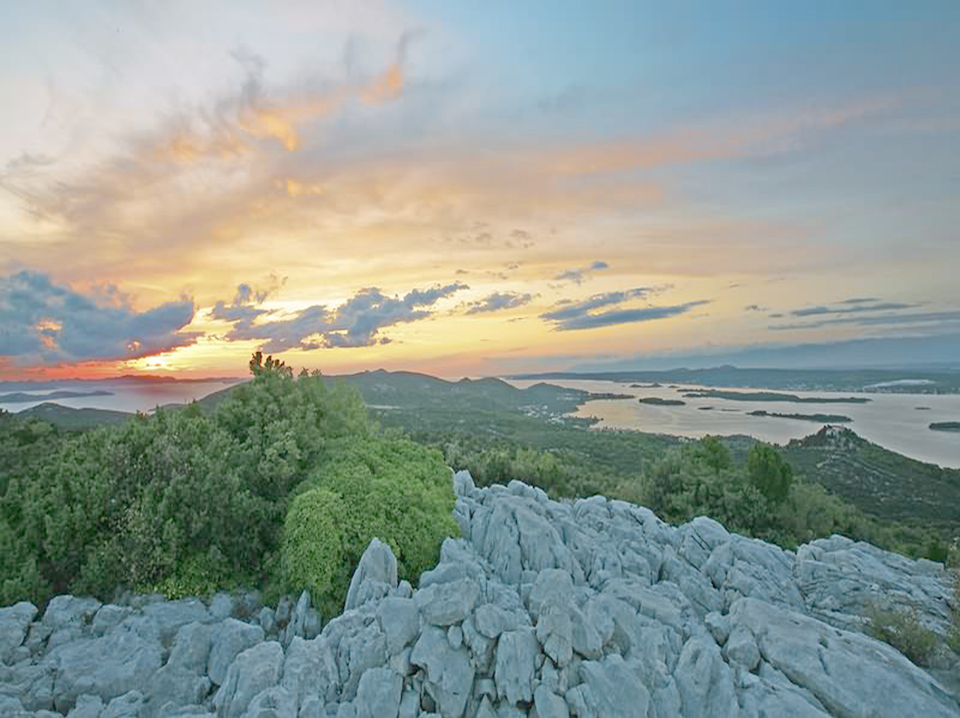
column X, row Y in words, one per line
column 542, row 608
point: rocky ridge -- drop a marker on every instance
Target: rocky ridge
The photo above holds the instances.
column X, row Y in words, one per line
column 542, row 608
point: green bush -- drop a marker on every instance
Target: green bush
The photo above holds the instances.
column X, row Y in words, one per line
column 903, row 631
column 379, row 487
column 313, row 541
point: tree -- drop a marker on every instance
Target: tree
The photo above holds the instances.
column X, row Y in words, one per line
column 767, row 471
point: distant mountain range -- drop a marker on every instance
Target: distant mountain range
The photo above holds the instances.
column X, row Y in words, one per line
column 905, row 381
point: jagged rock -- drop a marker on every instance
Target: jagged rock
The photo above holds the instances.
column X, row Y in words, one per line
column 221, row 606
column 70, row 611
column 253, row 671
column 267, row 620
column 491, row 620
column 549, row 704
column 839, row 578
column 449, row 672
column 14, row 622
column 848, row 673
column 705, row 681
column 130, row 705
column 272, row 702
column 516, row 666
column 377, row 566
column 609, row 688
column 587, row 608
column 109, row 666
column 399, row 619
column 310, row 667
column 378, row 695
column 230, row 639
column 442, row 604
column 109, row 616
column 87, row 707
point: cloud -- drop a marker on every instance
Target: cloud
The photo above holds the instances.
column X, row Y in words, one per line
column 582, row 273
column 859, row 306
column 41, row 322
column 568, row 309
column 498, row 301
column 355, row 323
column 754, row 308
column 626, row 316
column 570, row 315
column 916, row 318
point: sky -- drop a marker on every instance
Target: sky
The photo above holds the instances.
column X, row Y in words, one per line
column 475, row 188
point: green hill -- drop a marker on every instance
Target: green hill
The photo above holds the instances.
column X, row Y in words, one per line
column 882, row 483
column 65, row 417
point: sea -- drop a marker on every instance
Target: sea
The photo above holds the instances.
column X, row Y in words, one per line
column 899, row 422
column 124, row 395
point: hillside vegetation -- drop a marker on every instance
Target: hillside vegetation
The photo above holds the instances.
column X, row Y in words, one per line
column 184, row 501
column 280, row 483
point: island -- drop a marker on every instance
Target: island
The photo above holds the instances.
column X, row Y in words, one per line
column 772, row 396
column 945, row 426
column 20, row 397
column 654, row 385
column 705, row 408
column 922, row 408
column 657, row 401
column 819, row 418
column 594, row 396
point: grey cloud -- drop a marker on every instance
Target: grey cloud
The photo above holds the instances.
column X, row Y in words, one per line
column 571, row 310
column 860, row 305
column 916, row 318
column 627, row 316
column 498, row 301
column 754, row 308
column 41, row 322
column 580, row 274
column 859, row 300
column 570, row 315
column 355, row 323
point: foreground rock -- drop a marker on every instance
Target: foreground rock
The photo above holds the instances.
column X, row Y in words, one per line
column 593, row 608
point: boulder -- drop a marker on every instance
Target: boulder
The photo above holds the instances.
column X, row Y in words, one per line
column 253, row 671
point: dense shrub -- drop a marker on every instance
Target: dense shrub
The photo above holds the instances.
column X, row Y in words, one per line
column 389, row 488
column 186, row 501
column 313, row 541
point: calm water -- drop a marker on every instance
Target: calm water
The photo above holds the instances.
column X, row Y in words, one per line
column 890, row 420
column 125, row 397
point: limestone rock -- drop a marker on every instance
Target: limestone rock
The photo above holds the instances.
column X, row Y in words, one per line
column 377, row 565
column 14, row 622
column 230, row 639
column 253, row 671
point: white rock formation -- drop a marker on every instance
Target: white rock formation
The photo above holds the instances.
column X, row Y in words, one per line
column 542, row 608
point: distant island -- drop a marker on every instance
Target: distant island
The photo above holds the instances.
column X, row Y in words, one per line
column 945, row 426
column 819, row 418
column 594, row 396
column 20, row 397
column 923, row 408
column 657, row 401
column 931, row 380
column 654, row 385
column 705, row 408
column 772, row 396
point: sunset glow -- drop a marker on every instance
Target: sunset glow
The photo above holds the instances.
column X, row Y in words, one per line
column 446, row 187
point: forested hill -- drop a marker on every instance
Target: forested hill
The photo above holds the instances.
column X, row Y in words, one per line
column 501, row 432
